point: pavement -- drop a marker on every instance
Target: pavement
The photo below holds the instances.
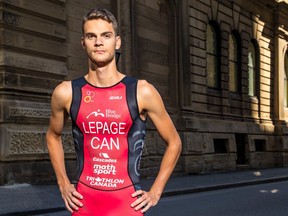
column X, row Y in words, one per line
column 28, row 200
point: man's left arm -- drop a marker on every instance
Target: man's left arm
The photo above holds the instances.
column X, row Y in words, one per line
column 150, row 102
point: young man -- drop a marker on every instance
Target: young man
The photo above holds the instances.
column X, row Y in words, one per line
column 108, row 112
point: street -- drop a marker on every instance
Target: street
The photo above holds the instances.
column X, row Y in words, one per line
column 257, row 200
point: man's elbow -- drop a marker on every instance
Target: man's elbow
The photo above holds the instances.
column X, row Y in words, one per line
column 176, row 144
column 179, row 145
column 52, row 137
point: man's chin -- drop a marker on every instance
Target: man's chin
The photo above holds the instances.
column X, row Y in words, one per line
column 101, row 63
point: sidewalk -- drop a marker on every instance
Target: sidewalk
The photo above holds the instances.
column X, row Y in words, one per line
column 25, row 199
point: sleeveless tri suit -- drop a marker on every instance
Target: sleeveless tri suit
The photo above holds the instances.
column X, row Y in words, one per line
column 109, row 136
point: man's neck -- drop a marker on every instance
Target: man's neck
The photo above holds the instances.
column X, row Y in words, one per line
column 104, row 76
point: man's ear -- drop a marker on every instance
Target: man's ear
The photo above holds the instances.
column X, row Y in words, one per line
column 83, row 43
column 118, row 42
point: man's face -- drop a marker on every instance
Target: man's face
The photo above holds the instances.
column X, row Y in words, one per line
column 100, row 41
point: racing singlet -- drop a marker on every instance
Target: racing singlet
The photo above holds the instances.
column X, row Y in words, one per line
column 108, row 136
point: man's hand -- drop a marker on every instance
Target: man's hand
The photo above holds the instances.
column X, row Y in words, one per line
column 71, row 198
column 145, row 200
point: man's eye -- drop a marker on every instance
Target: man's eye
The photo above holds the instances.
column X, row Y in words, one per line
column 90, row 37
column 107, row 36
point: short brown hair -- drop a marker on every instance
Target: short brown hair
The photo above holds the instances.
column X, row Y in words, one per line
column 100, row 13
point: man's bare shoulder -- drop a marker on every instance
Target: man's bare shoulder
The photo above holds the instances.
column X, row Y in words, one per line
column 62, row 94
column 147, row 95
column 63, row 88
column 145, row 88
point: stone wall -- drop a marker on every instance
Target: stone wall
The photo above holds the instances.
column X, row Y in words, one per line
column 229, row 130
column 33, row 60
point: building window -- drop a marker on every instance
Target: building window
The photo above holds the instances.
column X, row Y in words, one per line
column 213, row 55
column 252, row 68
column 286, row 79
column 234, row 72
column 260, row 145
column 221, row 146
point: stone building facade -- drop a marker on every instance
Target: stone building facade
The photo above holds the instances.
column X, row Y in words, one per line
column 221, row 67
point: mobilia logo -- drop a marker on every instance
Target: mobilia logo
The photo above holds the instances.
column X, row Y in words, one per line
column 115, row 97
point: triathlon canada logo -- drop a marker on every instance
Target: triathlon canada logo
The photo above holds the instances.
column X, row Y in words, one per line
column 104, row 182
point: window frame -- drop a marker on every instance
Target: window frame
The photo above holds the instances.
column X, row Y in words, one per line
column 215, row 54
column 285, row 79
column 235, row 61
column 256, row 69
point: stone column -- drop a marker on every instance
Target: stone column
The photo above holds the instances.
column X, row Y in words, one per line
column 281, row 47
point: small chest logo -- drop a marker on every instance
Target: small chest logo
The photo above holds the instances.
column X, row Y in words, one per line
column 89, row 97
column 115, row 97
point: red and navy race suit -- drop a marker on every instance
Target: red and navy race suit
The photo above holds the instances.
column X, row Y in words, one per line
column 109, row 136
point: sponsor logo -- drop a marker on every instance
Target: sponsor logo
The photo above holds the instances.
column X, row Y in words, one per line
column 104, row 155
column 96, row 113
column 89, row 95
column 108, row 114
column 104, row 158
column 108, row 169
column 115, row 97
column 112, row 114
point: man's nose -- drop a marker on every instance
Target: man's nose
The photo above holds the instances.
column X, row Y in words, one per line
column 98, row 41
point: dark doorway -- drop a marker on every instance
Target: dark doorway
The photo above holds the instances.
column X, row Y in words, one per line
column 241, row 140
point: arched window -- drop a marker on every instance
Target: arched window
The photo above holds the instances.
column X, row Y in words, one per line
column 234, row 56
column 252, row 68
column 213, row 56
column 286, row 79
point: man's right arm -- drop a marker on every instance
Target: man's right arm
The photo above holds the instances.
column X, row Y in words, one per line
column 60, row 103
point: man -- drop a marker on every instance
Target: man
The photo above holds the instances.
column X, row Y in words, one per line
column 108, row 112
